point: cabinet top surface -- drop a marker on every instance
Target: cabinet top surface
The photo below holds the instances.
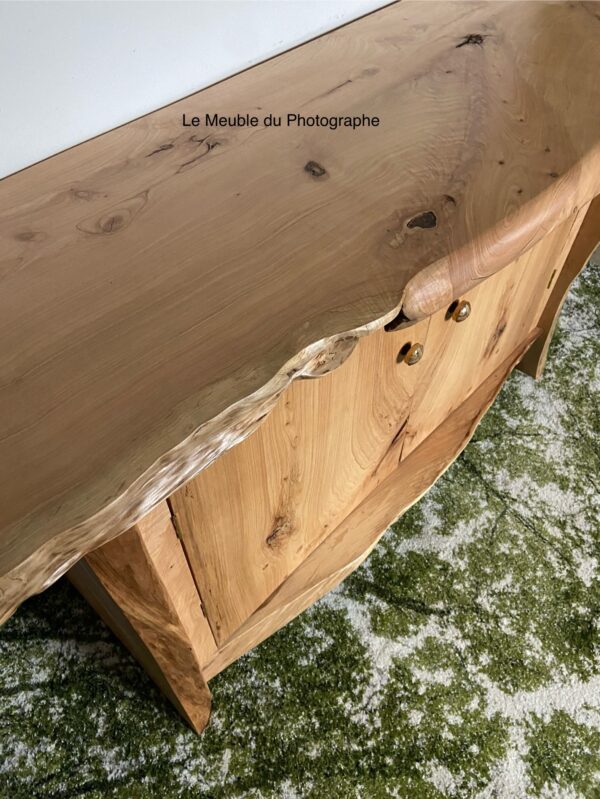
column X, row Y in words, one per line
column 161, row 283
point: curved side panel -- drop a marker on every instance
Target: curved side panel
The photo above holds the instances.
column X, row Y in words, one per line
column 588, row 238
column 350, row 543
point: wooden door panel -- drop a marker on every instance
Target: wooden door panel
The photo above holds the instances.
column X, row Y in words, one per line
column 352, row 541
column 249, row 519
column 504, row 309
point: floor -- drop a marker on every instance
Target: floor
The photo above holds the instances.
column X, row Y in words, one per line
column 462, row 660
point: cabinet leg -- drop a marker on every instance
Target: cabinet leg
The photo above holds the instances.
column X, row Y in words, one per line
column 141, row 586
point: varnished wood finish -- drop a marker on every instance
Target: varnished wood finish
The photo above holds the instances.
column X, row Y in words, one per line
column 161, row 286
column 145, row 577
column 586, row 241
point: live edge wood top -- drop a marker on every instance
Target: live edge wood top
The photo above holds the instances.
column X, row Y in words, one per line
column 160, row 285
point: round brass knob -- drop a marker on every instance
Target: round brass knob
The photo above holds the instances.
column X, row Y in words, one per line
column 414, row 354
column 462, row 311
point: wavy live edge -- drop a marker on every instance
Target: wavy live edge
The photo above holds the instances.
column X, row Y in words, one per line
column 160, row 286
column 55, row 556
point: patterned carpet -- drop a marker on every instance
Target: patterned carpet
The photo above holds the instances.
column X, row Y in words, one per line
column 462, row 660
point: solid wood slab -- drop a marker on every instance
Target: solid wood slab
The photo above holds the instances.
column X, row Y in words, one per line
column 160, row 286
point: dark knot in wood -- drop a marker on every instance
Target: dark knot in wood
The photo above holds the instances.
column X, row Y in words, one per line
column 314, row 169
column 425, row 220
column 472, row 38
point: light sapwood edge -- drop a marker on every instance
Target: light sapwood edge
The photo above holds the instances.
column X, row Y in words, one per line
column 200, row 449
column 585, row 243
column 308, row 578
column 57, row 555
column 173, row 469
column 440, row 283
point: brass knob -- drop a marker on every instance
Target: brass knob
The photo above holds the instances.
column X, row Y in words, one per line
column 462, row 311
column 414, row 354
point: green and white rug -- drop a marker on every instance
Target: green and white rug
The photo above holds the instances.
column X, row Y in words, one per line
column 461, row 660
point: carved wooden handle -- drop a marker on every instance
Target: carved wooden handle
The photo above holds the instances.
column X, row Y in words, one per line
column 489, row 251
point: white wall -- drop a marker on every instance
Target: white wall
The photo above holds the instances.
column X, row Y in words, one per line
column 71, row 70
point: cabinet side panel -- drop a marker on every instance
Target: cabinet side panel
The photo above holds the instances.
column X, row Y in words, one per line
column 587, row 239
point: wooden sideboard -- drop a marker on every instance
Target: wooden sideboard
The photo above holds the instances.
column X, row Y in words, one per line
column 232, row 357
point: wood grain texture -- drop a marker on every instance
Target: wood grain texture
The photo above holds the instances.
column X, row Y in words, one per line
column 505, row 308
column 249, row 519
column 350, row 543
column 146, row 576
column 586, row 241
column 87, row 583
column 161, row 287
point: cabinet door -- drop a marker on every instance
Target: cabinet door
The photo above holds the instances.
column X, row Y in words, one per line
column 249, row 519
column 504, row 310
